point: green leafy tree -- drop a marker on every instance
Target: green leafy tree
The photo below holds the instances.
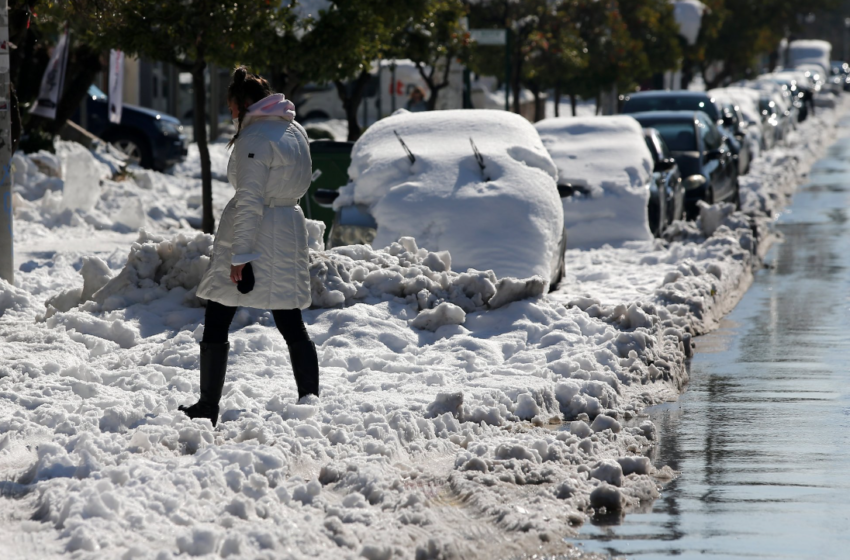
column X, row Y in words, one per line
column 189, row 34
column 433, row 39
column 655, row 39
column 346, row 39
column 34, row 28
column 736, row 33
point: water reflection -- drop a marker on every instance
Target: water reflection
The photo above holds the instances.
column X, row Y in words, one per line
column 760, row 437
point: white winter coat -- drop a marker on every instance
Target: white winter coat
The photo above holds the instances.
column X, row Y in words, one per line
column 270, row 168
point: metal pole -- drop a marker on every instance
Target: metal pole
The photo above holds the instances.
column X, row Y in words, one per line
column 7, row 260
column 508, row 69
column 392, row 77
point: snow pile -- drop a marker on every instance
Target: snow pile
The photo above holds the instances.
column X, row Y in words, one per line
column 81, row 189
column 448, row 202
column 699, row 272
column 608, row 158
column 351, row 473
column 402, row 273
column 191, row 165
column 412, row 275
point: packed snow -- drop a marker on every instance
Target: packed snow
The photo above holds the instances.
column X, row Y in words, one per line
column 608, row 159
column 478, row 184
column 464, row 413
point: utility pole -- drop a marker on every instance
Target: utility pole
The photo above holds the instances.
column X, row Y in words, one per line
column 7, row 265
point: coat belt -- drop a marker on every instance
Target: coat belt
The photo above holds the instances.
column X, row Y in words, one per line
column 271, row 202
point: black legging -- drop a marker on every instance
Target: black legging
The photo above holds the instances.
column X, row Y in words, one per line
column 218, row 318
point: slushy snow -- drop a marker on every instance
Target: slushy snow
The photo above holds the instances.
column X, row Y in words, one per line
column 463, row 413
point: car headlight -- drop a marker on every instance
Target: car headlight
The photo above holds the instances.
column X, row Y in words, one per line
column 351, row 235
column 167, row 128
column 693, row 182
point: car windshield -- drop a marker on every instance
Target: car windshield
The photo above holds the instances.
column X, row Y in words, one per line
column 640, row 104
column 679, row 136
column 95, row 92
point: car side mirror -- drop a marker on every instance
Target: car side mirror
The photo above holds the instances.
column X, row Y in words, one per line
column 325, row 197
column 665, row 164
column 566, row 190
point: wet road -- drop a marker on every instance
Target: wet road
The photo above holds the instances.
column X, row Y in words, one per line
column 762, row 435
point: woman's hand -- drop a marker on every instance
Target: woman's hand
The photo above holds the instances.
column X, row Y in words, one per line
column 236, row 273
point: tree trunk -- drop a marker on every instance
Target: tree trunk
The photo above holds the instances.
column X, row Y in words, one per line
column 539, row 110
column 517, row 84
column 573, row 103
column 557, row 100
column 434, row 88
column 82, row 71
column 598, row 101
column 351, row 102
column 199, row 126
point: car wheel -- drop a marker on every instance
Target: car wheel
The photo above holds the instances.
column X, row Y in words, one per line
column 737, row 195
column 135, row 148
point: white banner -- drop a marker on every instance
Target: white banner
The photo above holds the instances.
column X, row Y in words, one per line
column 53, row 80
column 116, row 85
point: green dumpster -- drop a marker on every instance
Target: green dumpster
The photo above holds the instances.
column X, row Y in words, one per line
column 330, row 171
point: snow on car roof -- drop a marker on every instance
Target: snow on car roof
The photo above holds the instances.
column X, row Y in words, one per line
column 608, row 156
column 506, row 217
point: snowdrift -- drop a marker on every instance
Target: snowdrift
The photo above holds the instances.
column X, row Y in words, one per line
column 505, row 217
column 606, row 156
column 402, row 273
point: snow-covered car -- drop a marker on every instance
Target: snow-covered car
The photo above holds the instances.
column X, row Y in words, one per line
column 605, row 164
column 478, row 184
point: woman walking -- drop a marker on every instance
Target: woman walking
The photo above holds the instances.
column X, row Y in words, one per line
column 260, row 257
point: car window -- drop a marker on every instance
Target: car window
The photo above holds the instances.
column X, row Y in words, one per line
column 95, row 91
column 650, row 143
column 645, row 103
column 711, row 138
column 679, row 136
column 665, row 151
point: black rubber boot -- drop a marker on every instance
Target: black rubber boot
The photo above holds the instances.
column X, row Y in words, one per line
column 305, row 367
column 213, row 369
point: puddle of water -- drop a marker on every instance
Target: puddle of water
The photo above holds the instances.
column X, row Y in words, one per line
column 762, row 435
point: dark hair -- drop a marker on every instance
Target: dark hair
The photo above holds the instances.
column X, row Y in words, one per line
column 244, row 88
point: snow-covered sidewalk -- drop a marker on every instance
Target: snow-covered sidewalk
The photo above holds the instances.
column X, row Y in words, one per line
column 462, row 415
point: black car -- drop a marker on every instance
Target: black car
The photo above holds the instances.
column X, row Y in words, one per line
column 733, row 120
column 683, row 100
column 702, row 153
column 151, row 139
column 667, row 179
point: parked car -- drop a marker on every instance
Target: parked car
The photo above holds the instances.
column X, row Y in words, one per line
column 149, row 138
column 746, row 102
column 478, row 184
column 702, row 153
column 842, row 70
column 688, row 101
column 797, row 87
column 667, row 194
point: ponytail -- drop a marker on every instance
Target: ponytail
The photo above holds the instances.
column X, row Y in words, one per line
column 245, row 87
